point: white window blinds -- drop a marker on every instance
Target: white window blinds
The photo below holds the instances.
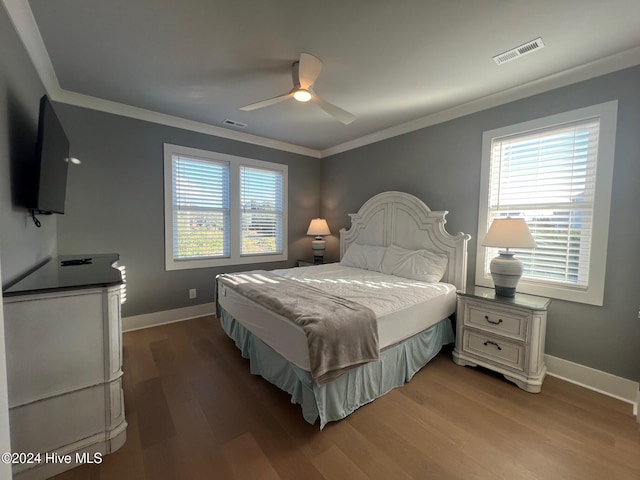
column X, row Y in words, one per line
column 261, row 204
column 221, row 209
column 548, row 176
column 200, row 208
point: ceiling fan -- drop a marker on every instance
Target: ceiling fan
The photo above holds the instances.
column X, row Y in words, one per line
column 304, row 73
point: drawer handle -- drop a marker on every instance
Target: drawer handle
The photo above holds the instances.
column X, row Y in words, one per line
column 488, row 342
column 486, row 317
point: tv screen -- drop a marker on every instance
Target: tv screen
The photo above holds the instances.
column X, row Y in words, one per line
column 51, row 162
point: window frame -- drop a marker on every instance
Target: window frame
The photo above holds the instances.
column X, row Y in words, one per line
column 235, row 162
column 278, row 213
column 593, row 294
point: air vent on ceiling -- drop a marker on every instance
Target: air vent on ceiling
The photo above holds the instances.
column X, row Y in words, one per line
column 517, row 52
column 233, row 123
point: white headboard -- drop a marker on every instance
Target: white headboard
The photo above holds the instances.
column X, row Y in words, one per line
column 404, row 220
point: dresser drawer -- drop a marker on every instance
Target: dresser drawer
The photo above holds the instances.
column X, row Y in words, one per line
column 510, row 325
column 501, row 351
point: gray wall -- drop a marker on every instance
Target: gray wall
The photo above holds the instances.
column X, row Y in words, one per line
column 22, row 245
column 441, row 165
column 115, row 203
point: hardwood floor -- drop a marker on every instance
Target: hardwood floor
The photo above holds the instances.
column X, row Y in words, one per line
column 195, row 412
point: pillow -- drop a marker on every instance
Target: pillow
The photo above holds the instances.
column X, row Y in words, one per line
column 368, row 257
column 422, row 265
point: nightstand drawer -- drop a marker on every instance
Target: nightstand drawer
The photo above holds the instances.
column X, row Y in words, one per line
column 492, row 348
column 510, row 325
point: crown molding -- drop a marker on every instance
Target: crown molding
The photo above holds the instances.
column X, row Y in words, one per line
column 603, row 66
column 94, row 103
column 25, row 25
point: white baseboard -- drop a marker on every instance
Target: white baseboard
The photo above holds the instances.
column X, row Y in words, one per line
column 617, row 387
column 154, row 319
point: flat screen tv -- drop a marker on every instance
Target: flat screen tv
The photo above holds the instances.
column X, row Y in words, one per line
column 51, row 161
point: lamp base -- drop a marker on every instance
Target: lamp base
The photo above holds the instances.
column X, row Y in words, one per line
column 506, row 271
column 509, row 292
column 318, row 246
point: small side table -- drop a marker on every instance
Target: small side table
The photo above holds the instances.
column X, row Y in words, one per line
column 305, row 263
column 503, row 334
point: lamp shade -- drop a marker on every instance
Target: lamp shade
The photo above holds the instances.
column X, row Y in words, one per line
column 509, row 233
column 318, row 226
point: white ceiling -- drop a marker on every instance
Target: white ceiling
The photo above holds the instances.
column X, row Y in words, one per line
column 397, row 65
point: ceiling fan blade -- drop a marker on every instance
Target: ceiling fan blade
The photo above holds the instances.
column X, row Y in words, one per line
column 336, row 112
column 267, row 102
column 308, row 70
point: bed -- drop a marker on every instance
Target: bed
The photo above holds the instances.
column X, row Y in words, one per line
column 398, row 276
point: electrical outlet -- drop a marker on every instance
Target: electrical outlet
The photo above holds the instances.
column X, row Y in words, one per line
column 192, row 293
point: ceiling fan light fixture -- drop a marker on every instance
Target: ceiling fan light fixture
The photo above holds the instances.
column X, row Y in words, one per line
column 302, row 95
column 303, row 74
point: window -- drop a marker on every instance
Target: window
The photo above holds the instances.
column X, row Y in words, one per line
column 556, row 172
column 200, row 208
column 222, row 210
column 262, row 211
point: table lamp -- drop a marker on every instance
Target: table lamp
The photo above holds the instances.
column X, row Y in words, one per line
column 318, row 227
column 505, row 269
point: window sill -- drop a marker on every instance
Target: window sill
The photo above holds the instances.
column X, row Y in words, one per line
column 171, row 264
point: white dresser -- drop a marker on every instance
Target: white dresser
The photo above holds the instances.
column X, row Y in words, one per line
column 64, row 365
column 503, row 334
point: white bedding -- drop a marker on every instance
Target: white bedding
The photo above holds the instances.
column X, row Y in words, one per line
column 403, row 307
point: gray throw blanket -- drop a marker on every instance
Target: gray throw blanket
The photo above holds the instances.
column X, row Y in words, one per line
column 340, row 333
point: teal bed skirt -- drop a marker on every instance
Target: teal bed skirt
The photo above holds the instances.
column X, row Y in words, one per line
column 359, row 386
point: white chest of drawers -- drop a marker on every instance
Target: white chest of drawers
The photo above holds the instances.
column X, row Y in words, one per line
column 503, row 334
column 63, row 335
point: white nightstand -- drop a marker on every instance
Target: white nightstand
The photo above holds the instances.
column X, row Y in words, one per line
column 503, row 334
column 309, row 263
column 305, row 263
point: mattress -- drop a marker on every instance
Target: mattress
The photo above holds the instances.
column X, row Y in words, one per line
column 403, row 307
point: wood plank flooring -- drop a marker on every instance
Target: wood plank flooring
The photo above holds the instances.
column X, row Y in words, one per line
column 195, row 412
